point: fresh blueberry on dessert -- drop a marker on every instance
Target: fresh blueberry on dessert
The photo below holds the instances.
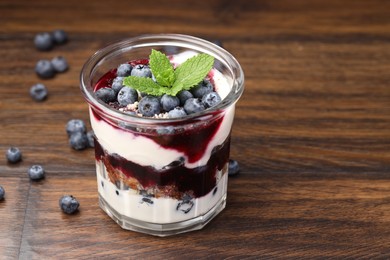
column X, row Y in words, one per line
column 149, row 106
column 124, row 70
column 177, row 112
column 183, row 96
column 36, row 172
column 117, row 84
column 106, row 94
column 38, row 92
column 43, row 41
column 169, row 102
column 141, row 70
column 14, row 155
column 45, row 69
column 194, row 105
column 69, row 204
column 127, row 96
column 59, row 64
column 203, row 88
column 2, row 193
column 211, row 99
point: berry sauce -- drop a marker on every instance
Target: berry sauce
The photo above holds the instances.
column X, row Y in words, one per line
column 197, row 181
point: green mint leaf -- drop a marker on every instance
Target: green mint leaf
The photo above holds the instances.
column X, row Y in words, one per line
column 146, row 85
column 192, row 71
column 162, row 68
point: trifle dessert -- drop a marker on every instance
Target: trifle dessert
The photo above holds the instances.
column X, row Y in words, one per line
column 162, row 108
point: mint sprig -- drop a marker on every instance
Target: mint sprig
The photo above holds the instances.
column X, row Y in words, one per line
column 169, row 80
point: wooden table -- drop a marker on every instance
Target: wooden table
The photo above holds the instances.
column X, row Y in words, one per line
column 311, row 133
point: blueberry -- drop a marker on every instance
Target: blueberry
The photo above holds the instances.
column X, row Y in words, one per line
column 107, row 95
column 91, row 139
column 2, row 193
column 68, row 204
column 59, row 64
column 149, row 106
column 183, row 96
column 43, row 41
column 38, row 92
column 218, row 42
column 36, row 172
column 177, row 112
column 169, row 102
column 127, row 96
column 211, row 99
column 14, row 155
column 202, row 88
column 45, row 69
column 141, row 70
column 79, row 141
column 234, row 167
column 117, row 84
column 124, row 70
column 193, row 105
column 75, row 126
column 59, row 36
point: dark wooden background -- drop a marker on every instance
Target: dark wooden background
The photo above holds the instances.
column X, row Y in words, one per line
column 312, row 130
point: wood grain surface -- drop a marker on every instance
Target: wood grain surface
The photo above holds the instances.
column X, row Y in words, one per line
column 311, row 132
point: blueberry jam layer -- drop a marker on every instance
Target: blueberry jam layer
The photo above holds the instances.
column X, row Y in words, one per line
column 174, row 180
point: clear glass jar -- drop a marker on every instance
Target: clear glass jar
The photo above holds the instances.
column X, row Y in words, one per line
column 162, row 176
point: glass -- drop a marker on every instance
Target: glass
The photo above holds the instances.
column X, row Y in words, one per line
column 162, row 176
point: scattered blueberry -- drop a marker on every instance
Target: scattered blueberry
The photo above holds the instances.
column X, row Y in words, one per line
column 79, row 141
column 211, row 99
column 106, row 94
column 117, row 84
column 169, row 102
column 91, row 138
column 127, row 96
column 234, row 168
column 177, row 112
column 59, row 64
column 59, row 36
column 183, row 96
column 2, row 193
column 218, row 42
column 193, row 105
column 75, row 126
column 124, row 70
column 202, row 88
column 45, row 69
column 141, row 70
column 43, row 41
column 38, row 92
column 13, row 155
column 69, row 204
column 36, row 172
column 149, row 106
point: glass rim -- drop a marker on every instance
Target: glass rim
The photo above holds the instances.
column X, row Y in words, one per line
column 177, row 40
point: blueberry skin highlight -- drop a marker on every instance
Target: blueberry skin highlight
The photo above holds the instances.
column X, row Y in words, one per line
column 36, row 172
column 43, row 41
column 13, row 155
column 39, row 92
column 68, row 204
